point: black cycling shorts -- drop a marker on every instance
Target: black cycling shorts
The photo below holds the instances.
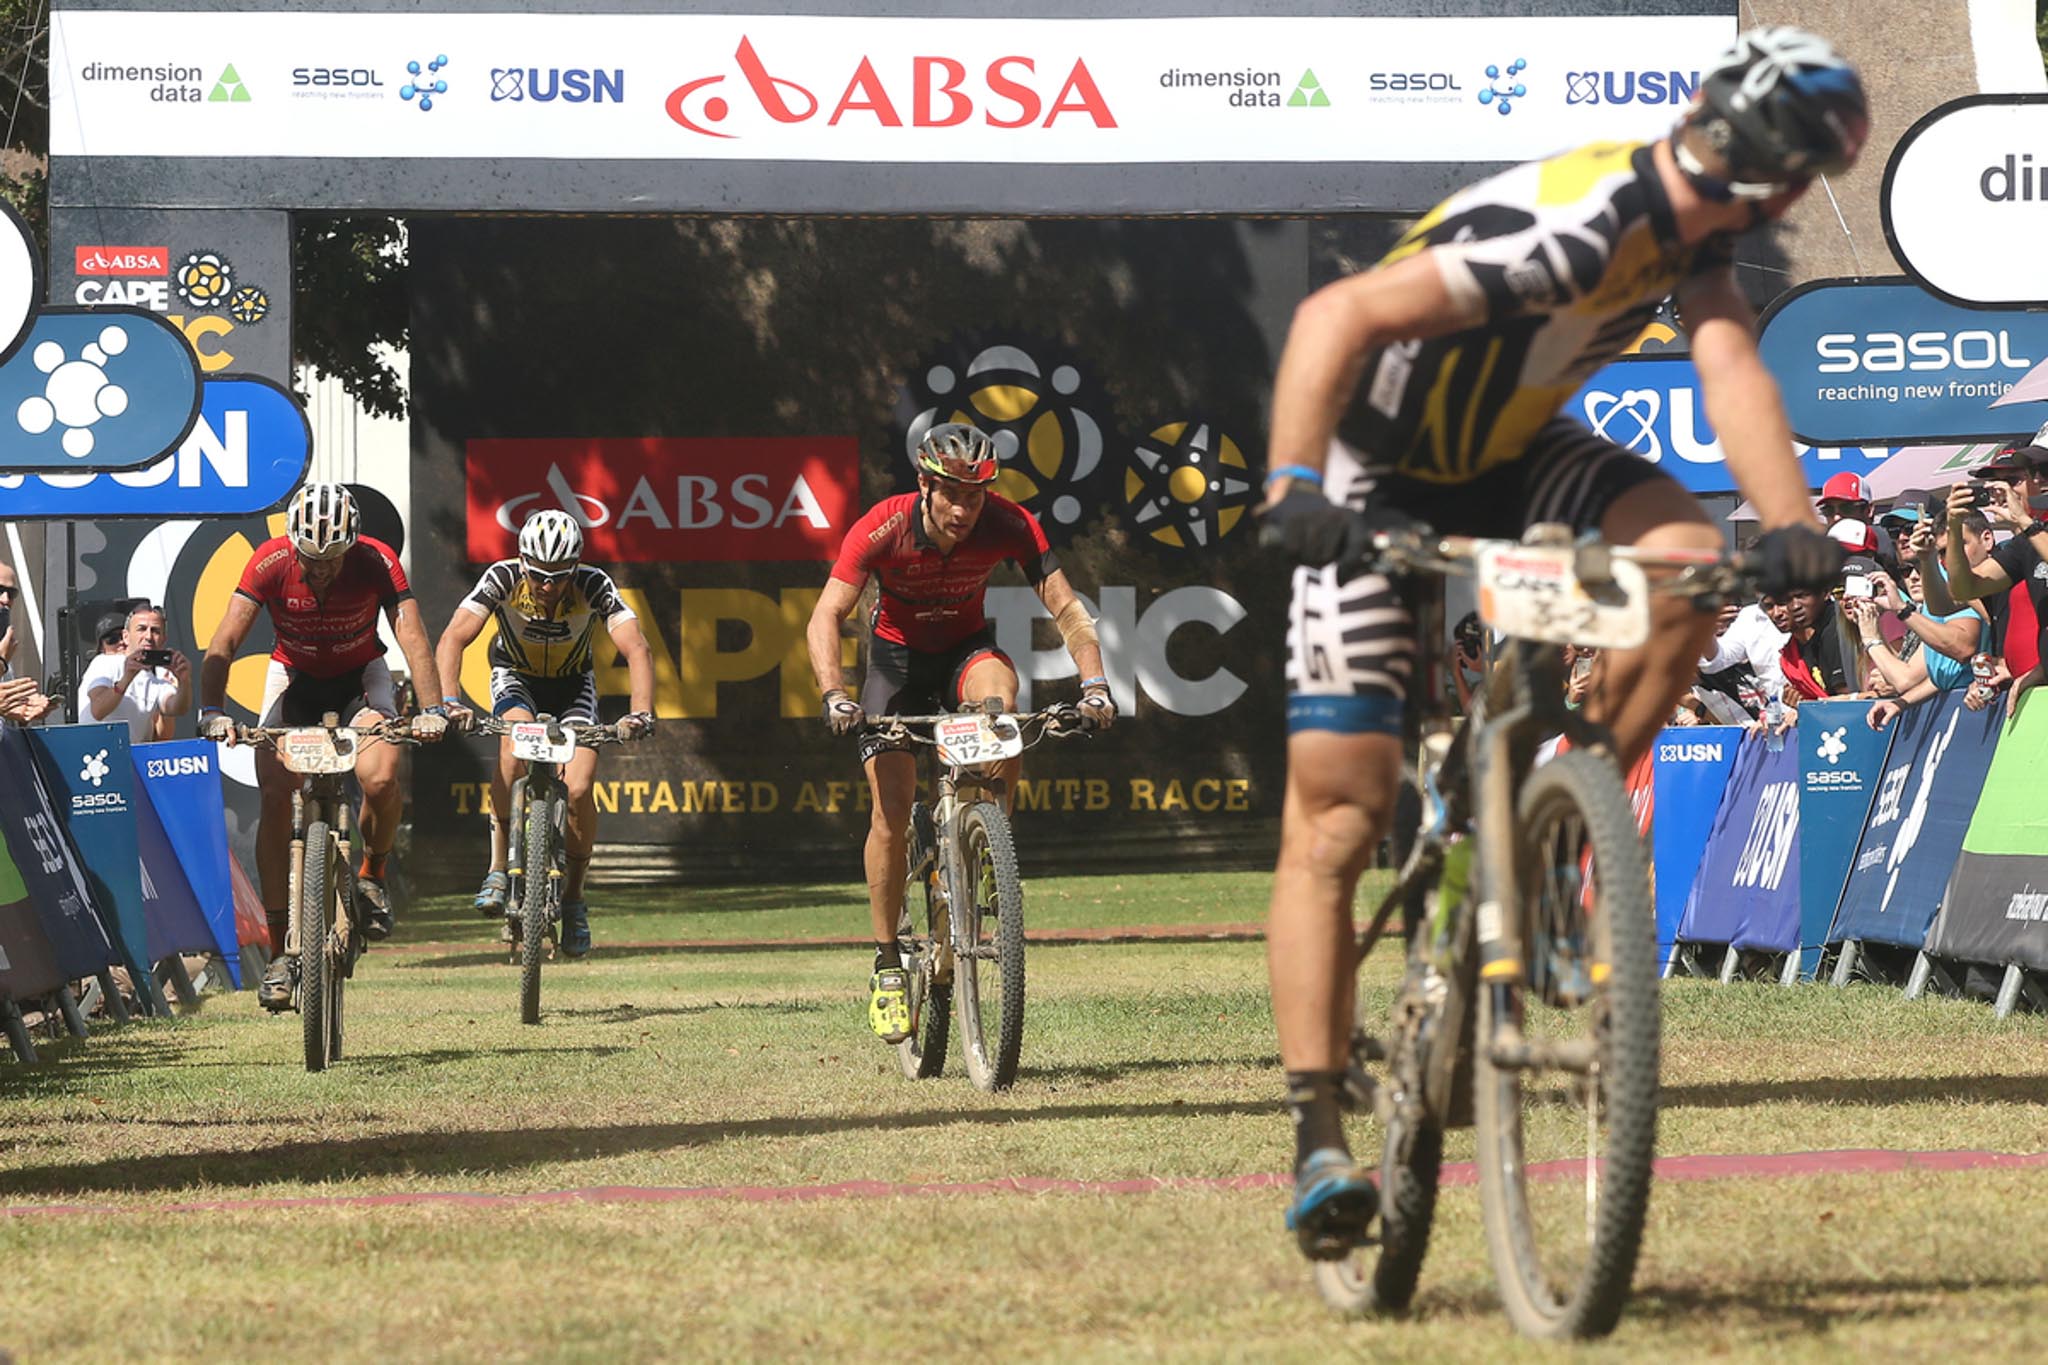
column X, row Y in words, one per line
column 294, row 698
column 902, row 681
column 570, row 698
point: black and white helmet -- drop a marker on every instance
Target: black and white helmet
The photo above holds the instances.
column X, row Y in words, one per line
column 322, row 521
column 1781, row 107
column 550, row 538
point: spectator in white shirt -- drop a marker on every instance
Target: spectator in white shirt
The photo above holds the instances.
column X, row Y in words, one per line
column 145, row 686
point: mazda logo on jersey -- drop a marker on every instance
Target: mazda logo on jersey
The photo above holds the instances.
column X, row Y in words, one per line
column 669, row 499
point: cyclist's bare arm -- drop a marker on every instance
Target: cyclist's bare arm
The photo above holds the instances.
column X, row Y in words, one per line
column 639, row 663
column 1334, row 330
column 220, row 651
column 835, row 604
column 463, row 628
column 1058, row 595
column 1743, row 402
column 411, row 631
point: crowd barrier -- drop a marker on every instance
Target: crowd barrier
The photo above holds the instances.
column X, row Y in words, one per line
column 1916, row 842
column 114, row 856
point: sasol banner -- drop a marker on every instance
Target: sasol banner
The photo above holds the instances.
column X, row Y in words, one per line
column 91, row 780
column 1692, row 767
column 865, row 89
column 1841, row 760
column 673, row 501
column 48, row 863
column 1996, row 910
column 1911, row 841
column 1884, row 360
column 96, row 389
column 246, row 453
column 1653, row 407
column 1965, row 201
column 184, row 783
column 1747, row 891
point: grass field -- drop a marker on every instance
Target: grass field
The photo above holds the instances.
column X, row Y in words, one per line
column 673, row 1069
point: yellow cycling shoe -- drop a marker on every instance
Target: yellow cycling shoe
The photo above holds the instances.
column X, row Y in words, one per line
column 889, row 1004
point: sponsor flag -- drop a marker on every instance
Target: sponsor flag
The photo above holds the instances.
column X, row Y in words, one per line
column 1840, row 761
column 1747, row 892
column 91, row 780
column 183, row 780
column 1691, row 766
column 47, row 862
column 27, row 966
column 1996, row 910
column 1909, row 844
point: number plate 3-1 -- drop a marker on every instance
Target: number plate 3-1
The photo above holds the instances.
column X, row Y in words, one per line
column 1532, row 593
column 530, row 742
column 317, row 751
column 968, row 740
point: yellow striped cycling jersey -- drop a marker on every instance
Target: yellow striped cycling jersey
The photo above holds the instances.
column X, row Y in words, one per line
column 1569, row 258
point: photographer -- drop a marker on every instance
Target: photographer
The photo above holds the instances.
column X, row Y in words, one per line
column 2012, row 493
column 144, row 686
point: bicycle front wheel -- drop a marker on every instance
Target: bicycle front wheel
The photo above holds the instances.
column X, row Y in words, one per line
column 987, row 900
column 533, row 906
column 317, row 891
column 1567, row 1132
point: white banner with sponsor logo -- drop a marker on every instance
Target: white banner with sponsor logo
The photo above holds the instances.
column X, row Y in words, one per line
column 783, row 87
column 1966, row 199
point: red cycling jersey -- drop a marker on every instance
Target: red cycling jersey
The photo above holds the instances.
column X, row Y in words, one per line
column 324, row 639
column 932, row 601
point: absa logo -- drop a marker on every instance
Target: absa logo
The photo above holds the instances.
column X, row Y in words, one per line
column 937, row 94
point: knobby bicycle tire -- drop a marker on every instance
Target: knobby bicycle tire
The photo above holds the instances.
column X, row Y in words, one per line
column 923, row 1054
column 533, row 907
column 985, row 831
column 315, row 905
column 1623, row 935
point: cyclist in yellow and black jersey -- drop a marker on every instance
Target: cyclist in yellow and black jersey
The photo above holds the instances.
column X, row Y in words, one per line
column 1428, row 389
column 548, row 606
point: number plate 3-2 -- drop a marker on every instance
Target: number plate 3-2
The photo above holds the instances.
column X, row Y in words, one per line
column 317, row 751
column 967, row 740
column 1532, row 593
column 530, row 742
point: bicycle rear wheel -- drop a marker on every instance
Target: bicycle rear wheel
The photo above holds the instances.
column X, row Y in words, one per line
column 1565, row 1148
column 987, row 896
column 923, row 1054
column 533, row 906
column 316, row 905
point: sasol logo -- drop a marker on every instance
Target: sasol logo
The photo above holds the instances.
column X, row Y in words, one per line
column 544, row 85
column 1689, row 753
column 95, row 801
column 1630, row 87
column 935, row 92
column 332, row 77
column 188, row 765
column 1413, row 80
column 1890, row 352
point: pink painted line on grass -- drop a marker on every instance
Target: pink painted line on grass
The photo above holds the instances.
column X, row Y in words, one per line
column 1670, row 1168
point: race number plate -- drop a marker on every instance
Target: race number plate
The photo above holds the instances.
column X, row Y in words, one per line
column 317, row 751
column 530, row 741
column 967, row 740
column 1532, row 593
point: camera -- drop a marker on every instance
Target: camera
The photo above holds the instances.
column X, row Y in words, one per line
column 154, row 658
column 1857, row 585
column 1986, row 494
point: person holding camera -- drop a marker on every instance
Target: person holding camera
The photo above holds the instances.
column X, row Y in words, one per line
column 145, row 686
column 2012, row 493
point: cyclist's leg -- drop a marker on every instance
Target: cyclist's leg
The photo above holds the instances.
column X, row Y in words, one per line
column 1589, row 483
column 892, row 781
column 983, row 672
column 576, row 699
column 509, row 702
column 376, row 766
column 274, row 824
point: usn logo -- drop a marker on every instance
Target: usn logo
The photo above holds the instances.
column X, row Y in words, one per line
column 1772, row 834
column 188, row 765
column 1630, row 87
column 572, row 85
column 1689, row 753
column 1629, row 419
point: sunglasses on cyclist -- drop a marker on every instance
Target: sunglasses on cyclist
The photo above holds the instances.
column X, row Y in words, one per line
column 536, row 574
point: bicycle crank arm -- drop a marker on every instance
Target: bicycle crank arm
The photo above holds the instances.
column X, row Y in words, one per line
column 1513, row 1052
column 981, row 952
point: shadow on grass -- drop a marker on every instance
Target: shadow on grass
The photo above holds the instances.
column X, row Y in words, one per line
column 468, row 1153
column 1811, row 1306
column 1110, row 1071
column 1871, row 1091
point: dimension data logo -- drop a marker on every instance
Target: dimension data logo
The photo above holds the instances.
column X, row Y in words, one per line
column 1247, row 89
column 1502, row 89
column 172, row 84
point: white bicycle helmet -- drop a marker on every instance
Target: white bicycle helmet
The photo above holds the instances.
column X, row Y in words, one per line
column 322, row 521
column 550, row 538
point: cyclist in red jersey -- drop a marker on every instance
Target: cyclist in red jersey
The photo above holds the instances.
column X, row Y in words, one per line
column 324, row 586
column 932, row 552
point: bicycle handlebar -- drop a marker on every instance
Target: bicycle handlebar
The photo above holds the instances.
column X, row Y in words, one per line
column 1062, row 719
column 1694, row 573
column 589, row 734
column 386, row 731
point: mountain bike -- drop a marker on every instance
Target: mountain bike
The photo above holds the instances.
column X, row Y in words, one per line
column 538, row 853
column 324, row 936
column 964, row 860
column 1529, row 1005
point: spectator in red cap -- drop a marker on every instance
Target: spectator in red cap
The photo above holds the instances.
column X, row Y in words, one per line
column 1846, row 498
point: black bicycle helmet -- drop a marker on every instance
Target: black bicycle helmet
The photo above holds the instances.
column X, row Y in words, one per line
column 1780, row 107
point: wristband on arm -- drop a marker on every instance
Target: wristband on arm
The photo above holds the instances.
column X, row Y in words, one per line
column 1300, row 473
